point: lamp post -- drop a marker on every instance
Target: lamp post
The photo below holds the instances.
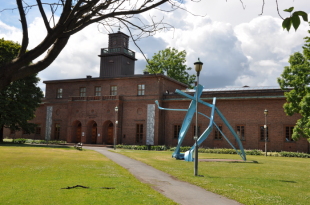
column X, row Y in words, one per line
column 266, row 128
column 116, row 122
column 198, row 67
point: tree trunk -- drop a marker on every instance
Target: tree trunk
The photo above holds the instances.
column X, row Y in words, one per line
column 1, row 133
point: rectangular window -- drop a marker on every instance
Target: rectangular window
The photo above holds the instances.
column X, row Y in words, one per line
column 98, row 91
column 289, row 133
column 139, row 134
column 262, row 133
column 141, row 88
column 194, row 131
column 59, row 93
column 38, row 129
column 24, row 132
column 12, row 132
column 113, row 90
column 82, row 92
column 176, row 131
column 217, row 134
column 57, row 131
column 240, row 132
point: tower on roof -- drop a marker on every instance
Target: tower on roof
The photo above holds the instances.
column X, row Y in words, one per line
column 117, row 59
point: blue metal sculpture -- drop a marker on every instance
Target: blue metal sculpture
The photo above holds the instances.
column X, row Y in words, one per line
column 188, row 156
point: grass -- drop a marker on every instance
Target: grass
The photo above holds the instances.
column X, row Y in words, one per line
column 35, row 175
column 260, row 180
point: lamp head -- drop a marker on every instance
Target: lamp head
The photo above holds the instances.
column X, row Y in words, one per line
column 116, row 109
column 266, row 112
column 198, row 65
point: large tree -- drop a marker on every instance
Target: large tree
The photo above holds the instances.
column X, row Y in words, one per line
column 19, row 100
column 296, row 77
column 75, row 15
column 172, row 63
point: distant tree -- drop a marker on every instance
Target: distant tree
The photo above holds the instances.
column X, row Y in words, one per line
column 297, row 76
column 172, row 63
column 19, row 100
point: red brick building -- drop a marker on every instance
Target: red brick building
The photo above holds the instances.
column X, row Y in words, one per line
column 83, row 110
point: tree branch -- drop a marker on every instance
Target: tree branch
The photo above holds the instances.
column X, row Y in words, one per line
column 42, row 64
column 23, row 21
column 47, row 25
column 132, row 12
column 278, row 9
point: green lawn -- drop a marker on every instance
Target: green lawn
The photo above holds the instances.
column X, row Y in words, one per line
column 260, row 180
column 35, row 175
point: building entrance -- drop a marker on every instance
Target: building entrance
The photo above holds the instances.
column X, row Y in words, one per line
column 94, row 133
column 78, row 132
column 110, row 134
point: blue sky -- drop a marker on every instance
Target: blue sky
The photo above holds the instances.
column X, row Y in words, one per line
column 237, row 46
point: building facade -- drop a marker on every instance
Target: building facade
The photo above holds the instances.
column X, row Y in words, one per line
column 83, row 110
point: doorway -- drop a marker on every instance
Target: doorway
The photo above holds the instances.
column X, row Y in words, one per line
column 94, row 133
column 78, row 132
column 110, row 134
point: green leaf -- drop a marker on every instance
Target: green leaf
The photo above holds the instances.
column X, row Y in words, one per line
column 289, row 10
column 303, row 14
column 296, row 21
column 287, row 24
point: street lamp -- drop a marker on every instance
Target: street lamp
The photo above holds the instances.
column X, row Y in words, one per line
column 198, row 67
column 116, row 122
column 266, row 128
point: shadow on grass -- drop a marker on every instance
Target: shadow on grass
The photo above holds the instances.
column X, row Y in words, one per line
column 287, row 181
column 10, row 144
column 247, row 162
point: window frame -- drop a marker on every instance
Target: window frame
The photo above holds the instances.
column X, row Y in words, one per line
column 56, row 131
column 291, row 127
column 141, row 91
column 38, row 127
column 139, row 135
column 220, row 136
column 260, row 134
column 240, row 131
column 59, row 94
column 12, row 132
column 80, row 93
column 96, row 92
column 176, row 131
column 113, row 92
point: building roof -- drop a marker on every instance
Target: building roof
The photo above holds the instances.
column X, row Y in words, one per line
column 244, row 88
column 114, row 77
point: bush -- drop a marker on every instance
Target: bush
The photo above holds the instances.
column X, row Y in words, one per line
column 294, row 154
column 20, row 141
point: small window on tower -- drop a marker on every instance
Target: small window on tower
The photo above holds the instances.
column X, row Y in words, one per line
column 111, row 61
column 128, row 63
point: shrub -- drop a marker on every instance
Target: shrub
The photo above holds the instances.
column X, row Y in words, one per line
column 20, row 141
column 294, row 154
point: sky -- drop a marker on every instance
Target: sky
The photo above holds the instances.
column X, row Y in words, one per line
column 237, row 46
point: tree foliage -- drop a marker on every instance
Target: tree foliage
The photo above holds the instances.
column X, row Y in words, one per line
column 19, row 100
column 296, row 76
column 172, row 63
column 294, row 19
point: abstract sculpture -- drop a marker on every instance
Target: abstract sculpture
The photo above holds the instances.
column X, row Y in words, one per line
column 188, row 156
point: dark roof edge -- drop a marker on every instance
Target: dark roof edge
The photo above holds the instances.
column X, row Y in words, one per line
column 229, row 98
column 116, row 77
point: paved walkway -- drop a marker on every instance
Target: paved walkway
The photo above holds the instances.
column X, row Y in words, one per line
column 179, row 191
